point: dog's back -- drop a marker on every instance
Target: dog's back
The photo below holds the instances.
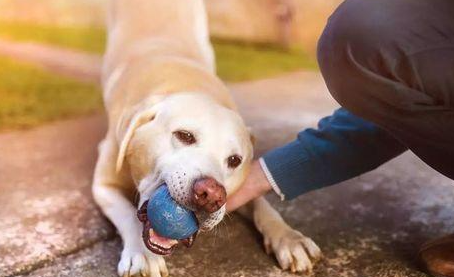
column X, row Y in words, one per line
column 137, row 27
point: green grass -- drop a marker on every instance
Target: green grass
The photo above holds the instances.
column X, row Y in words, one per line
column 30, row 95
column 87, row 39
column 235, row 61
column 241, row 61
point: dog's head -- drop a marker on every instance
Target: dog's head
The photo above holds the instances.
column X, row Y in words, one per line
column 199, row 148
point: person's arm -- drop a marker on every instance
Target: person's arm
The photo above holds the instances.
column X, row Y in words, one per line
column 343, row 146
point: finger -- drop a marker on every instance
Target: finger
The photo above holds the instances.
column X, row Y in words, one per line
column 255, row 185
column 240, row 198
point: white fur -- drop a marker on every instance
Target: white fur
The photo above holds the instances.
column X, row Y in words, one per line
column 202, row 35
column 112, row 80
column 135, row 258
column 146, row 102
column 178, row 165
column 293, row 250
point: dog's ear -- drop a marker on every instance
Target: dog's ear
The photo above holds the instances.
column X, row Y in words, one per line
column 129, row 122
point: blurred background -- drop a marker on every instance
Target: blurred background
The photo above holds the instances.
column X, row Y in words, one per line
column 50, row 56
column 40, row 80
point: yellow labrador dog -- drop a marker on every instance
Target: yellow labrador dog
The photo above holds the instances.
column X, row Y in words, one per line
column 171, row 120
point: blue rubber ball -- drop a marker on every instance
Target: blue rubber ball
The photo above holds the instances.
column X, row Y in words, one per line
column 168, row 218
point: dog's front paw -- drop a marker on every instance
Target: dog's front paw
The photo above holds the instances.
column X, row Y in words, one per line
column 293, row 250
column 141, row 262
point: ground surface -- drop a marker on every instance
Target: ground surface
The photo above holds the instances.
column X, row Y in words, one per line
column 369, row 226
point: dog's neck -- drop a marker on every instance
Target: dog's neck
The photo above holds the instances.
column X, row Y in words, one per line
column 155, row 76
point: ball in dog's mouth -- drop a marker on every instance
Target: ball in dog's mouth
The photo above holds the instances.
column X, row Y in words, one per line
column 156, row 243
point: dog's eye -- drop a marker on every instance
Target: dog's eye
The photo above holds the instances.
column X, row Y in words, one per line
column 185, row 137
column 234, row 161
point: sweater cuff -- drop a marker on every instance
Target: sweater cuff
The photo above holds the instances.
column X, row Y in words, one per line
column 288, row 168
column 270, row 178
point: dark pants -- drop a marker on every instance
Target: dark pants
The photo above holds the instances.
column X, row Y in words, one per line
column 392, row 62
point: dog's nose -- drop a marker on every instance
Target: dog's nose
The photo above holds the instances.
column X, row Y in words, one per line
column 208, row 195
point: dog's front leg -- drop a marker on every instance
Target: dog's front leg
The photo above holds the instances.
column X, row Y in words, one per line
column 292, row 249
column 107, row 192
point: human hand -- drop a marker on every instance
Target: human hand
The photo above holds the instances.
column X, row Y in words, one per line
column 255, row 185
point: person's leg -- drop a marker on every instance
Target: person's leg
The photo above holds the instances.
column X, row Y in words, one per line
column 392, row 63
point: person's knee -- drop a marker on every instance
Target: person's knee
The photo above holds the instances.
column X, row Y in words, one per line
column 363, row 26
column 357, row 33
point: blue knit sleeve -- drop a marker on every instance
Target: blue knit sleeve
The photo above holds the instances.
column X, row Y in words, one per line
column 343, row 146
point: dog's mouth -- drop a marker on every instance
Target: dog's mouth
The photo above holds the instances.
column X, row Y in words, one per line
column 156, row 243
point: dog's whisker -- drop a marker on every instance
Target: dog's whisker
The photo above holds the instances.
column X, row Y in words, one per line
column 227, row 230
column 136, row 197
column 217, row 230
column 214, row 236
column 229, row 215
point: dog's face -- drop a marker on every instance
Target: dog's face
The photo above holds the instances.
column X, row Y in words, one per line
column 199, row 148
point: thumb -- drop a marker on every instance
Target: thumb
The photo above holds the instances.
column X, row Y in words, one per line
column 238, row 199
column 255, row 185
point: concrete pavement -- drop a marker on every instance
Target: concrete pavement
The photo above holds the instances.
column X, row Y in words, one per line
column 368, row 226
column 72, row 63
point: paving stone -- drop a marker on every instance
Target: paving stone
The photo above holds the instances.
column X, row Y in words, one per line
column 98, row 260
column 47, row 209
